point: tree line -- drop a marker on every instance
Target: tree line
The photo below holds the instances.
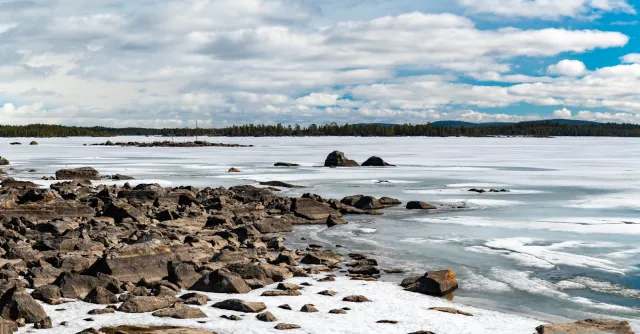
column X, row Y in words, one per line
column 531, row 129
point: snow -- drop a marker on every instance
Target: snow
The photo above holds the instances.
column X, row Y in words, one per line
column 389, row 302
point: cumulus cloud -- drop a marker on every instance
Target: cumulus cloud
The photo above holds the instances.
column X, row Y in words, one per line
column 569, row 68
column 633, row 58
column 563, row 113
column 547, row 9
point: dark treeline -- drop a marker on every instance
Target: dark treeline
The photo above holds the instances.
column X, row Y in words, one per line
column 533, row 129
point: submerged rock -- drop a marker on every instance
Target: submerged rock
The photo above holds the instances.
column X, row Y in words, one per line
column 417, row 205
column 337, row 159
column 376, row 162
column 279, row 184
column 286, row 164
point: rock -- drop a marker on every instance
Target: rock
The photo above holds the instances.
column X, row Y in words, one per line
column 120, row 177
column 13, row 183
column 364, row 270
column 355, row 299
column 82, row 173
column 284, row 327
column 240, row 306
column 100, row 311
column 131, row 263
column 392, row 322
column 78, row 286
column 329, row 293
column 609, row 326
column 49, row 294
column 338, row 311
column 15, row 143
column 7, row 326
column 266, row 317
column 3, row 161
column 285, row 307
column 231, row 317
column 433, row 283
column 100, row 295
column 183, row 275
column 16, row 303
column 279, row 184
column 417, row 205
column 288, row 286
column 311, row 209
column 335, row 220
column 388, row 201
column 180, row 312
column 150, row 330
column 233, row 170
column 376, row 162
column 451, row 310
column 33, row 143
column 308, row 308
column 195, row 299
column 281, row 293
column 144, row 304
column 43, row 324
column 328, row 258
column 337, row 159
column 120, row 211
column 222, row 281
column 48, row 211
column 285, row 164
column 273, row 225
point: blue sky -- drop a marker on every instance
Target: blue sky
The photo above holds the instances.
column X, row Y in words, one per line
column 168, row 63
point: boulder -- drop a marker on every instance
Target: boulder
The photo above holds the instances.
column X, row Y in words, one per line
column 222, row 281
column 284, row 327
column 78, row 286
column 194, row 298
column 13, row 183
column 233, row 170
column 7, row 326
column 433, row 283
column 266, row 317
column 180, row 311
column 145, row 304
column 120, row 177
column 3, row 161
column 49, row 294
column 311, row 209
column 100, row 295
column 368, row 203
column 376, row 162
column 328, row 258
column 33, row 143
column 308, row 308
column 274, row 225
column 119, row 211
column 16, row 303
column 131, row 263
column 240, row 306
column 356, row 299
column 334, row 220
column 82, row 173
column 183, row 275
column 417, row 205
column 609, row 326
column 337, row 159
column 388, row 201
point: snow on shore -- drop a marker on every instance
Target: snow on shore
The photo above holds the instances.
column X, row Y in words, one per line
column 388, row 302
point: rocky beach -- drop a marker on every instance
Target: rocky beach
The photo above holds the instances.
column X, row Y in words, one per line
column 79, row 255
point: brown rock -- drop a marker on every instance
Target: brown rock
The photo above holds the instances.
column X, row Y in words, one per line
column 338, row 159
column 433, row 283
column 328, row 258
column 311, row 209
column 144, row 304
column 240, row 306
column 100, row 295
column 281, row 293
column 266, row 317
column 609, row 326
column 82, row 173
column 180, row 311
column 132, row 263
column 16, row 303
column 451, row 310
column 355, row 299
column 284, row 327
column 152, row 330
column 222, row 281
column 308, row 308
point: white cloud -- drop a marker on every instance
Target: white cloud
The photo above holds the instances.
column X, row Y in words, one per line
column 547, row 9
column 569, row 68
column 633, row 58
column 563, row 113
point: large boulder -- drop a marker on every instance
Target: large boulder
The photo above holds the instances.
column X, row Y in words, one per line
column 274, row 225
column 311, row 209
column 432, row 283
column 376, row 162
column 328, row 258
column 337, row 159
column 119, row 211
column 608, row 326
column 144, row 304
column 240, row 306
column 3, row 161
column 131, row 263
column 79, row 286
column 417, row 205
column 221, row 281
column 82, row 173
column 16, row 303
column 180, row 311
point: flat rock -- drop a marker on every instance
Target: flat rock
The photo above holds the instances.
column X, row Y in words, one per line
column 152, row 330
column 608, row 326
column 356, row 299
column 279, row 184
column 451, row 310
column 180, row 312
column 144, row 304
column 311, row 209
column 284, row 327
column 240, row 306
column 82, row 173
column 286, row 164
column 328, row 258
column 132, row 263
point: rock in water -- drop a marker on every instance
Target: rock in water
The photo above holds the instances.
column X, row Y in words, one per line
column 311, row 209
column 240, row 306
column 433, row 283
column 609, row 326
column 82, row 173
column 16, row 303
column 337, row 159
column 131, row 263
column 279, row 184
column 376, row 162
column 416, row 205
column 286, row 164
column 3, row 161
column 233, row 170
column 33, row 143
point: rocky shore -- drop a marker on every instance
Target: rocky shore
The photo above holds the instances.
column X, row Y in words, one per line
column 167, row 260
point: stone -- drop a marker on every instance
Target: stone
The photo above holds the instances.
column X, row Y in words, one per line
column 364, row 270
column 392, row 322
column 231, row 317
column 151, row 330
column 281, row 293
column 7, row 326
column 451, row 310
column 433, row 283
column 131, row 263
column 233, row 170
column 49, row 294
column 180, row 311
column 308, row 308
column 285, row 307
column 338, row 311
column 222, row 281
column 194, row 298
column 33, row 143
column 240, row 306
column 78, row 286
column 16, row 303
column 608, row 326
column 279, row 184
column 286, row 164
column 100, row 311
column 266, row 317
column 335, row 220
column 273, row 225
column 327, row 257
column 288, row 286
column 3, row 161
column 284, row 327
column 329, row 293
column 338, row 159
column 388, row 201
column 100, row 295
column 183, row 275
column 82, row 173
column 311, row 209
column 355, row 299
column 417, row 205
column 144, row 304
column 120, row 211
column 376, row 162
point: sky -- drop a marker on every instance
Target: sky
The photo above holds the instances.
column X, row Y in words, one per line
column 172, row 63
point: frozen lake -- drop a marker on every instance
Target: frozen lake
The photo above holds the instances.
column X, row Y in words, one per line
column 563, row 243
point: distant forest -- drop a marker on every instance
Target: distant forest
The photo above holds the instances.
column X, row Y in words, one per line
column 530, row 129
